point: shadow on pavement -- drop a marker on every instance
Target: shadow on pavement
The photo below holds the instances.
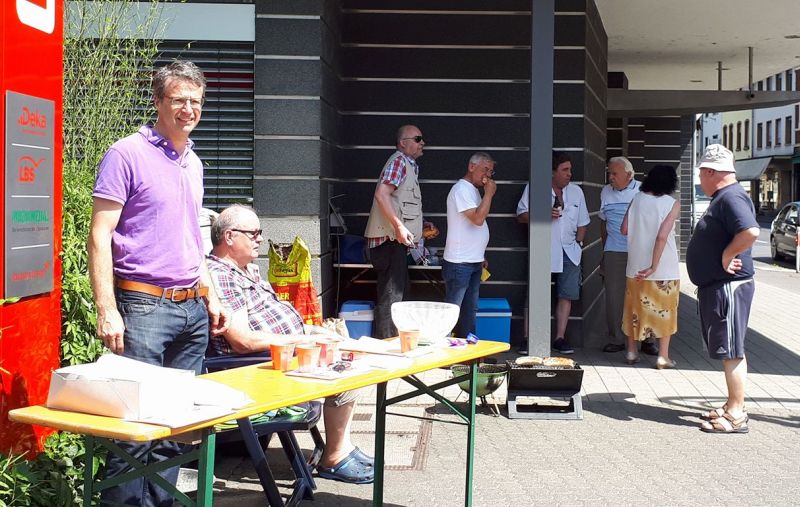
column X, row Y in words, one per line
column 626, row 410
column 789, row 422
column 225, row 497
column 330, row 499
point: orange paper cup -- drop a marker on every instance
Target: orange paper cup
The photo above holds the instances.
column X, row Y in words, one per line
column 307, row 356
column 408, row 339
column 327, row 353
column 281, row 355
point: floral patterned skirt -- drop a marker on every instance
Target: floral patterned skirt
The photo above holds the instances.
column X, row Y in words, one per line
column 651, row 308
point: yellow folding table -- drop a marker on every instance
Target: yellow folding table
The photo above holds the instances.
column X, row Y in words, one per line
column 270, row 389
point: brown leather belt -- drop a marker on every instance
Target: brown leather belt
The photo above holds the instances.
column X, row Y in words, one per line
column 175, row 294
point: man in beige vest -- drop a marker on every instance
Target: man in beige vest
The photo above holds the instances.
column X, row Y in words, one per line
column 394, row 225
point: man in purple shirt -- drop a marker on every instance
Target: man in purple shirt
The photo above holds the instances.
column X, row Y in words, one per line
column 152, row 290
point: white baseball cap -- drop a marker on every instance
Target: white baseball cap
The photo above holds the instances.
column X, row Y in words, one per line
column 718, row 158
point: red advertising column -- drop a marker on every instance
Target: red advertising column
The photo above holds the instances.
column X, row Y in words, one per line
column 31, row 74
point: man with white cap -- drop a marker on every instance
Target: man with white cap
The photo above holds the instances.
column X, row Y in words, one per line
column 720, row 263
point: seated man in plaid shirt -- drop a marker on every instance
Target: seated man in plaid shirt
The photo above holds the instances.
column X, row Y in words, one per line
column 257, row 318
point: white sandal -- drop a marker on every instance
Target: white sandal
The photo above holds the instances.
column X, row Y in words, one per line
column 665, row 364
column 727, row 424
column 632, row 357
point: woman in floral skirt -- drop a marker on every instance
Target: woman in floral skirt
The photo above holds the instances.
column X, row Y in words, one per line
column 653, row 275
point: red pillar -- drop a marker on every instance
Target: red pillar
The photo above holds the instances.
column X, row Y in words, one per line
column 31, row 75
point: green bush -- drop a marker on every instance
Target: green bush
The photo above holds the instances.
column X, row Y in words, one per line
column 15, row 483
column 53, row 479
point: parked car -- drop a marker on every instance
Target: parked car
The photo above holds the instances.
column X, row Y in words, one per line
column 783, row 235
column 701, row 202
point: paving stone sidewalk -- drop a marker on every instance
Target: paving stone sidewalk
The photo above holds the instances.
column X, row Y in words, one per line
column 637, row 444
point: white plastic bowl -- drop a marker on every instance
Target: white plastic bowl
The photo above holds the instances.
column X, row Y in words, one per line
column 433, row 319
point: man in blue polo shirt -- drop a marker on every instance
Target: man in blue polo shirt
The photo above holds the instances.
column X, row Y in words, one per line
column 614, row 201
column 720, row 262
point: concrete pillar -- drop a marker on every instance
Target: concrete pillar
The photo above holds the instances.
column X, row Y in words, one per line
column 296, row 43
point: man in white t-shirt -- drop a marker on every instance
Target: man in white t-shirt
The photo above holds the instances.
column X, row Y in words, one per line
column 467, row 237
column 570, row 218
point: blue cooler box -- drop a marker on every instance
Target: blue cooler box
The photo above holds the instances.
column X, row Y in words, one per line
column 494, row 320
column 357, row 316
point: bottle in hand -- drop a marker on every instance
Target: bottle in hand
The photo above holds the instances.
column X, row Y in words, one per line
column 557, row 204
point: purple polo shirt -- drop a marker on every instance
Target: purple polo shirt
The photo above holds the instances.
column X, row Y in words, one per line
column 157, row 239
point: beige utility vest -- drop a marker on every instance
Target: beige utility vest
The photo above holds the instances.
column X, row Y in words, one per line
column 407, row 204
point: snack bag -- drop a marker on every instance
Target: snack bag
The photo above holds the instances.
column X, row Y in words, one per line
column 290, row 277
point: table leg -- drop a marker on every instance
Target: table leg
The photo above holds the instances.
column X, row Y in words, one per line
column 88, row 480
column 473, row 384
column 380, row 434
column 205, row 470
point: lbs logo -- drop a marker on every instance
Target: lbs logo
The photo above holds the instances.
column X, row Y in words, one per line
column 33, row 14
column 26, row 169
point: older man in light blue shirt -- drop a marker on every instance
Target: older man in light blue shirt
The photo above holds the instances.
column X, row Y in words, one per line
column 614, row 200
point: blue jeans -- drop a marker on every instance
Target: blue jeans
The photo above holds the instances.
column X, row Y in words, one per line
column 462, row 281
column 161, row 332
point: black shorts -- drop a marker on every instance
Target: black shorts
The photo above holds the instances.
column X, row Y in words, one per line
column 724, row 313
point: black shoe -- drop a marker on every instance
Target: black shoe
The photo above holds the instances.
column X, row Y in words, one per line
column 563, row 346
column 649, row 348
column 613, row 347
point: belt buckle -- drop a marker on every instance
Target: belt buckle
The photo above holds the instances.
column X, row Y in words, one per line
column 179, row 294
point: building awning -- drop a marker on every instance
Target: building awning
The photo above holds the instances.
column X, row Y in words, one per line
column 751, row 168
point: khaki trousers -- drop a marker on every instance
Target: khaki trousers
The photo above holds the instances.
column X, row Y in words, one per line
column 614, row 264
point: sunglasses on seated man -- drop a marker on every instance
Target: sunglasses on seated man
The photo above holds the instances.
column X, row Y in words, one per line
column 250, row 234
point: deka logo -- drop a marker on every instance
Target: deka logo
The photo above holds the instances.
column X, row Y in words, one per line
column 33, row 118
column 36, row 16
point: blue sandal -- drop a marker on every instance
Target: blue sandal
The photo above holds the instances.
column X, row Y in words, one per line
column 349, row 469
column 363, row 457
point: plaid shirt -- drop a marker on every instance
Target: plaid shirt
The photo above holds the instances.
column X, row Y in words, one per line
column 393, row 174
column 237, row 289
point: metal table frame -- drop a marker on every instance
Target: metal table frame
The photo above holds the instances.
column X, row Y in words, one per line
column 467, row 419
column 428, row 272
column 204, row 454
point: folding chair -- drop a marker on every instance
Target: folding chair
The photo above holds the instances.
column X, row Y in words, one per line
column 284, row 427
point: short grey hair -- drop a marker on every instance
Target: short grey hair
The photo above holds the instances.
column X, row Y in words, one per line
column 625, row 163
column 178, row 69
column 480, row 156
column 228, row 219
